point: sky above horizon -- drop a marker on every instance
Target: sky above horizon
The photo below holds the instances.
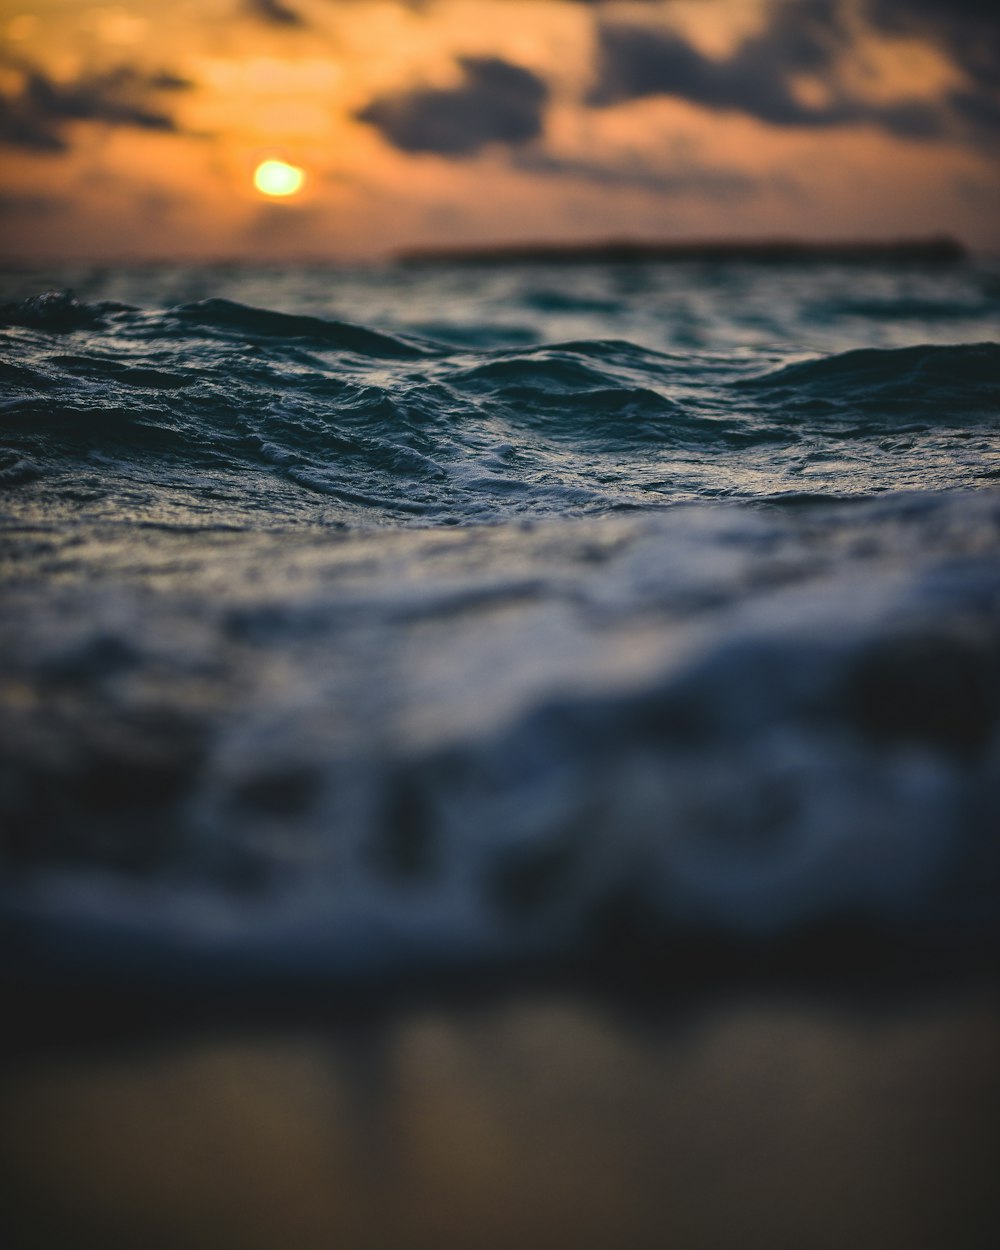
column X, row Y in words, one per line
column 134, row 130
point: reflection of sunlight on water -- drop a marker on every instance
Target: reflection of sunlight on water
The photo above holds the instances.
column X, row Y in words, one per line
column 525, row 1125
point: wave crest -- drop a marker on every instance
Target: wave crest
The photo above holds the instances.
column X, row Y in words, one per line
column 384, row 426
column 926, row 381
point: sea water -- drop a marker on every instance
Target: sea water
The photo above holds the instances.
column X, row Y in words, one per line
column 358, row 620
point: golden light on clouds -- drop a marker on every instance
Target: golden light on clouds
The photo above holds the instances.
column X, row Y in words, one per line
column 23, row 26
column 398, row 124
column 278, row 179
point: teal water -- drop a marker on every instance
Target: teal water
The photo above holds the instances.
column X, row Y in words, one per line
column 356, row 619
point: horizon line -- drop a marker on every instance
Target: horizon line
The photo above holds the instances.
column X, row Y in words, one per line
column 936, row 248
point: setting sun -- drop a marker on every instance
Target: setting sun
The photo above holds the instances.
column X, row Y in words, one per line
column 277, row 178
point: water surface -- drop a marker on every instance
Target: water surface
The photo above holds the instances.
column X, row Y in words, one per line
column 361, row 620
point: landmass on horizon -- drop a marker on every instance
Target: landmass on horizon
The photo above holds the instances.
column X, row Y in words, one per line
column 938, row 249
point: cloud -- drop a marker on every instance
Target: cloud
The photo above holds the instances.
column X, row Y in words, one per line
column 274, row 12
column 683, row 178
column 496, row 103
column 809, row 39
column 37, row 116
column 28, row 204
column 968, row 33
column 969, row 30
column 801, row 39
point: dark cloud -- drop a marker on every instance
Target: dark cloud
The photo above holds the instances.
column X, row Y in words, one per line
column 683, row 178
column 636, row 62
column 968, row 33
column 496, row 103
column 798, row 39
column 26, row 204
column 37, row 116
column 968, row 30
column 274, row 12
column 808, row 38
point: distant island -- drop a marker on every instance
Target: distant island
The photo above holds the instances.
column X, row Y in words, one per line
column 937, row 250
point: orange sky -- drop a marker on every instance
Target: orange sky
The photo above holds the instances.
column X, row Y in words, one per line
column 133, row 129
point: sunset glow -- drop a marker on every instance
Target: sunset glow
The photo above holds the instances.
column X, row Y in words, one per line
column 392, row 125
column 278, row 179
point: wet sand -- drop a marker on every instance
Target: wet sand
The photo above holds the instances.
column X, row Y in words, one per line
column 531, row 1119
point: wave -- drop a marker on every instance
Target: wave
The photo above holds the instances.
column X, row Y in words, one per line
column 384, row 427
column 54, row 311
column 940, row 383
column 227, row 318
column 910, row 308
column 365, row 754
column 325, row 645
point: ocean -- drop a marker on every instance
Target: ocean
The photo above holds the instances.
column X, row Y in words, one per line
column 406, row 619
column 500, row 756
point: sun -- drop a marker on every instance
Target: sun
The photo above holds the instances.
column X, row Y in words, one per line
column 278, row 178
